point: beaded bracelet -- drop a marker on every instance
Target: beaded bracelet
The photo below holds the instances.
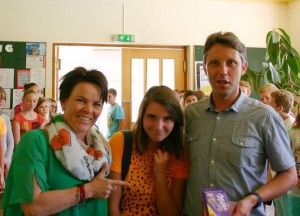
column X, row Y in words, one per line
column 80, row 194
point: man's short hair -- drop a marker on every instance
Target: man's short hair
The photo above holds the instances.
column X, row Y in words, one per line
column 228, row 39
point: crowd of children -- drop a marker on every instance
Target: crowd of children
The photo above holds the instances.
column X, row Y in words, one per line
column 32, row 113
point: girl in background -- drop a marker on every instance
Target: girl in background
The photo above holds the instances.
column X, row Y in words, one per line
column 8, row 140
column 27, row 119
column 53, row 106
column 42, row 108
column 28, row 86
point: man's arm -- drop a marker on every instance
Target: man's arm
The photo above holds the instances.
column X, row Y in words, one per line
column 280, row 184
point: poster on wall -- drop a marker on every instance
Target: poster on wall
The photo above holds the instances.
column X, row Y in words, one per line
column 38, row 76
column 201, row 80
column 36, row 61
column 7, row 77
column 8, row 97
column 23, row 77
column 17, row 96
column 36, row 49
column 20, row 63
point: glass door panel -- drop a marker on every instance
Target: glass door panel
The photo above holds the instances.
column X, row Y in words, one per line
column 137, row 86
column 152, row 72
column 168, row 73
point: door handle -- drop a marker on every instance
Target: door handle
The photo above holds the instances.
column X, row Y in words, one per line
column 126, row 101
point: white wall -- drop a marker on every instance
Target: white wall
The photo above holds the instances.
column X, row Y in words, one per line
column 170, row 22
column 293, row 24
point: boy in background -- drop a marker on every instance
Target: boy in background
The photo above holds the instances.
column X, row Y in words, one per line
column 282, row 101
column 115, row 114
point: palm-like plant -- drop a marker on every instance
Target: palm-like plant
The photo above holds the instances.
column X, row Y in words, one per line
column 281, row 66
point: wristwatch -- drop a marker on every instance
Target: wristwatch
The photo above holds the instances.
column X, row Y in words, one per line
column 259, row 199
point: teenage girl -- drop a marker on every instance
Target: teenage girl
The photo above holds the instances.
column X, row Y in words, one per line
column 159, row 167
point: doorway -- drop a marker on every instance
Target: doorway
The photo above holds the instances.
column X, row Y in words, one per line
column 144, row 68
column 131, row 70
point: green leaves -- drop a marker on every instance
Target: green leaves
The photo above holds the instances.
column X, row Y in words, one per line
column 281, row 66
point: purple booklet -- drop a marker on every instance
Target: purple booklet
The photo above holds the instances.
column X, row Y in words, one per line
column 216, row 202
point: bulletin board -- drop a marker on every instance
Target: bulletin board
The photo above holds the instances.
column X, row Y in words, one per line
column 256, row 56
column 21, row 63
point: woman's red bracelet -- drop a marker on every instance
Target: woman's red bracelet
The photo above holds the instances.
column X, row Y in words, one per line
column 80, row 194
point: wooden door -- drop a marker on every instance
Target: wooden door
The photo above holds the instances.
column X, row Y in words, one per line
column 143, row 68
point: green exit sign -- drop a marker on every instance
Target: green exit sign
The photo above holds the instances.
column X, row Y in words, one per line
column 124, row 38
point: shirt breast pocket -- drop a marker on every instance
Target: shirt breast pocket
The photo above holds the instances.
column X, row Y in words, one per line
column 245, row 152
column 193, row 142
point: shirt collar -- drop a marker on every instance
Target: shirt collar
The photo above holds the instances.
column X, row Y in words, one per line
column 234, row 107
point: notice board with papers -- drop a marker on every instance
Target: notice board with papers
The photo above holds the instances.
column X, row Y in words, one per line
column 21, row 63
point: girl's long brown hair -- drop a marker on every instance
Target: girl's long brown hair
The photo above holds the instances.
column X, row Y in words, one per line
column 168, row 98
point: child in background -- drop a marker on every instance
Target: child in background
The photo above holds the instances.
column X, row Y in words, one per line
column 53, row 106
column 180, row 95
column 27, row 119
column 8, row 138
column 42, row 108
column 115, row 114
column 282, row 101
column 189, row 96
column 245, row 87
column 265, row 92
column 200, row 94
column 28, row 86
column 2, row 135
